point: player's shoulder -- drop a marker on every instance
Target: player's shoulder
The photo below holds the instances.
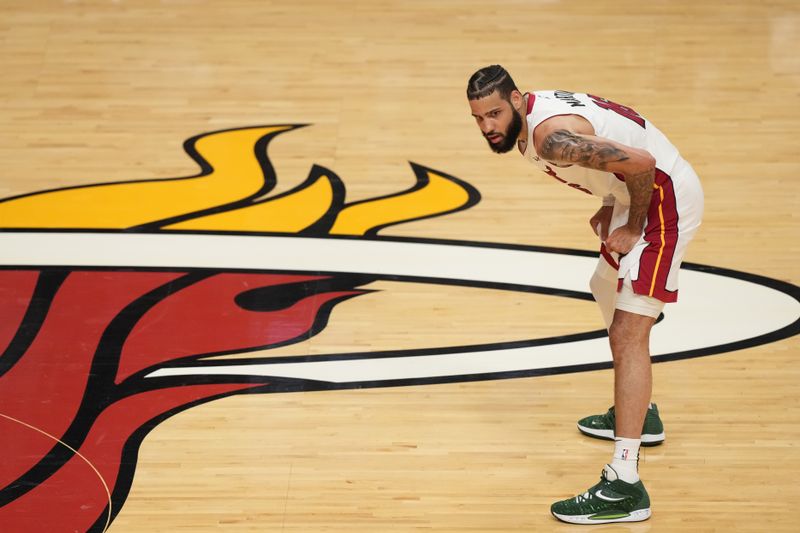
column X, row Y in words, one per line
column 571, row 122
column 549, row 104
column 557, row 111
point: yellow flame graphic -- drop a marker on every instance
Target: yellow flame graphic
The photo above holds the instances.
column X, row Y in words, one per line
column 236, row 174
column 227, row 196
column 437, row 196
column 291, row 213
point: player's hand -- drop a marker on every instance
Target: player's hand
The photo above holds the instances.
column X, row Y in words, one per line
column 601, row 221
column 622, row 240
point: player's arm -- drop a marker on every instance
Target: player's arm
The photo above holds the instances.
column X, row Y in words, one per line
column 567, row 146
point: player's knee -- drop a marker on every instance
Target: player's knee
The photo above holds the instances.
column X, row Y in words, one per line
column 628, row 330
column 617, row 337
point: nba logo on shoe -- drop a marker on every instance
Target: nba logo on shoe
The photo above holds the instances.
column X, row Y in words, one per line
column 625, row 454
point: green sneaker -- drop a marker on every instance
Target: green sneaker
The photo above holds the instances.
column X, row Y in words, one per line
column 611, row 500
column 602, row 426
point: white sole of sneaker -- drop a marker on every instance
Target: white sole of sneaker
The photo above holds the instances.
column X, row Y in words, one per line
column 635, row 516
column 608, row 434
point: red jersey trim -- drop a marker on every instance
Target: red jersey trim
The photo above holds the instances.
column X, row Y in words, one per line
column 531, row 100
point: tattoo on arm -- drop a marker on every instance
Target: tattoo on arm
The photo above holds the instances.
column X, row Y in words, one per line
column 563, row 145
column 640, row 187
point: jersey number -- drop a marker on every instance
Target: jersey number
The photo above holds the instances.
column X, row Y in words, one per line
column 626, row 112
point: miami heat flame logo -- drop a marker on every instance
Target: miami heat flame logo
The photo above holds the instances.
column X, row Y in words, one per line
column 116, row 301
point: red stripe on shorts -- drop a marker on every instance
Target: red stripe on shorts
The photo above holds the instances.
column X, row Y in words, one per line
column 661, row 234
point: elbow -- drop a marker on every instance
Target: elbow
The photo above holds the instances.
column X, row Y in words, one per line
column 651, row 162
column 648, row 162
column 645, row 167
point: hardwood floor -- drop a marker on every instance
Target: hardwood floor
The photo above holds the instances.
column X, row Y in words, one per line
column 101, row 92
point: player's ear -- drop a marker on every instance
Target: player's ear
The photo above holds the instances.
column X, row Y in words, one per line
column 516, row 99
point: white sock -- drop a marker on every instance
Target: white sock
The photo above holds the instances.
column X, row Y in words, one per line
column 626, row 459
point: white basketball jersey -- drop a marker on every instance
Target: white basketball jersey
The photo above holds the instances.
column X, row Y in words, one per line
column 610, row 120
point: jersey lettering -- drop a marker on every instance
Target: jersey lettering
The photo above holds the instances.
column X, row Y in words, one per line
column 552, row 172
column 620, row 109
column 568, row 97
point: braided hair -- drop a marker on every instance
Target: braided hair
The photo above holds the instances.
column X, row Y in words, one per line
column 489, row 79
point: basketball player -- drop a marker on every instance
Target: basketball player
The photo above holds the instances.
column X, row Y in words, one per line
column 652, row 203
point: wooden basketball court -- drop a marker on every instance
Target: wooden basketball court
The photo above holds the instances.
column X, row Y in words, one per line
column 373, row 361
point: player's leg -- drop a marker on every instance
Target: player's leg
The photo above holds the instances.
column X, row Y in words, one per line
column 603, row 285
column 620, row 496
column 673, row 219
column 629, row 336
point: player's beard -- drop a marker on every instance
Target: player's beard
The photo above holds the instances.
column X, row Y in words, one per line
column 509, row 136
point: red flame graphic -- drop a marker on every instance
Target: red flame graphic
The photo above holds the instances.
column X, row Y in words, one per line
column 76, row 345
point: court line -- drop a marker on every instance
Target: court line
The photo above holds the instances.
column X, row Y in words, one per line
column 76, row 452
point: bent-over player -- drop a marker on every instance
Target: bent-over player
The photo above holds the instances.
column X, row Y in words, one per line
column 652, row 204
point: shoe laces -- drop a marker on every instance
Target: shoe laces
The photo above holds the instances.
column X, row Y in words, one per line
column 587, row 496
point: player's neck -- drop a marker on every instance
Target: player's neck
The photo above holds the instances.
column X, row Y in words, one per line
column 523, row 132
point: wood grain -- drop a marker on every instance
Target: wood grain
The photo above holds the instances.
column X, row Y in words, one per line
column 107, row 91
